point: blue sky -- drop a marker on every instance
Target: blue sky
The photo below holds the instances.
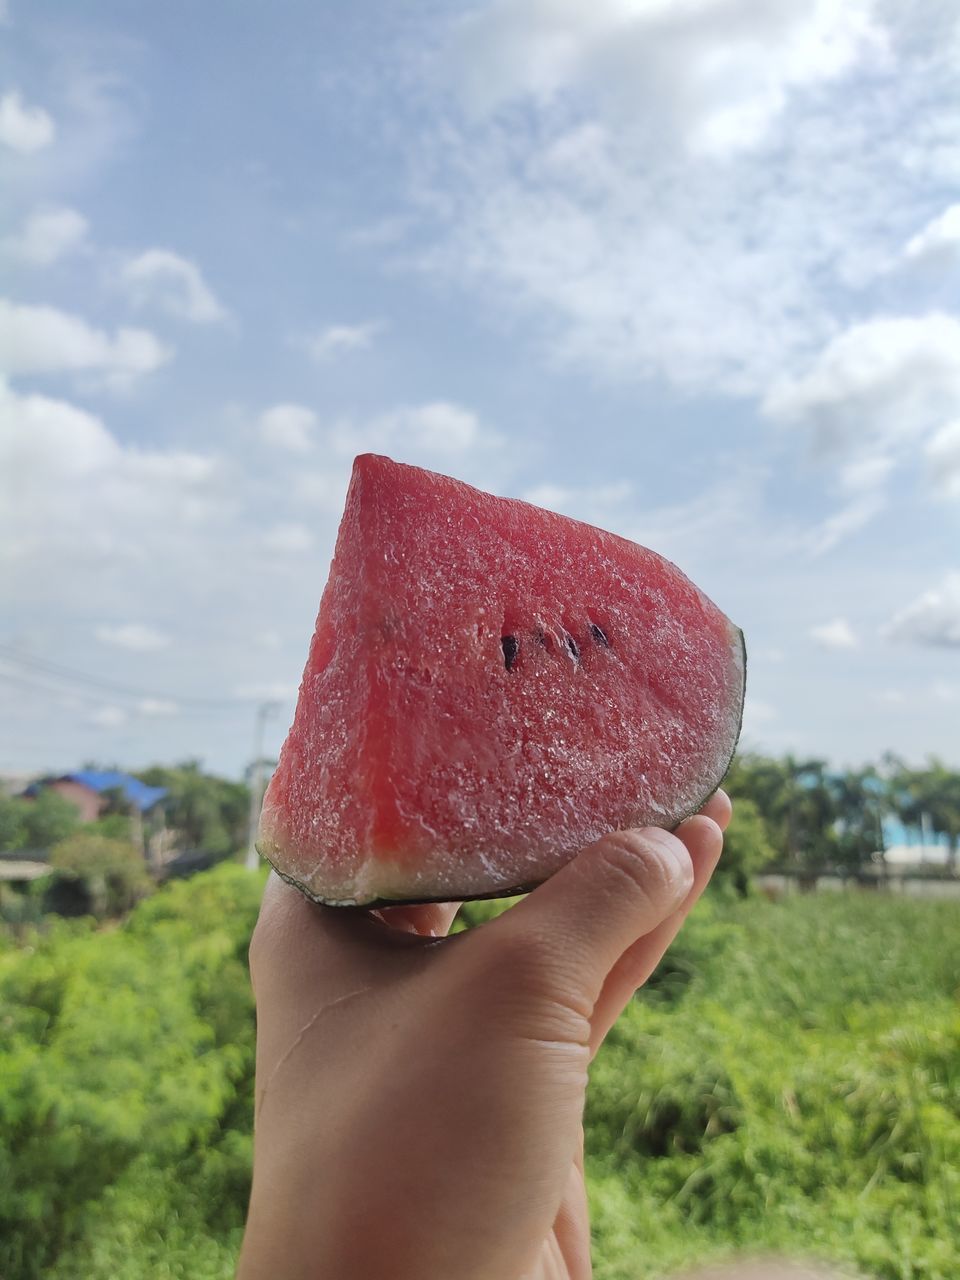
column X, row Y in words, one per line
column 688, row 271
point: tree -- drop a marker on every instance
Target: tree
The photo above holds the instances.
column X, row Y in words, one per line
column 12, row 829
column 209, row 812
column 47, row 819
column 860, row 797
column 747, row 848
column 929, row 796
column 97, row 876
column 793, row 797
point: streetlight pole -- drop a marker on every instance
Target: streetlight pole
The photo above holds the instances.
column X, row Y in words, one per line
column 264, row 710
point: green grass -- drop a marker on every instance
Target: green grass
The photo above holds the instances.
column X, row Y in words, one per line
column 790, row 1079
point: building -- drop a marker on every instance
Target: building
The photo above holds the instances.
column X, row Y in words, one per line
column 90, row 789
column 909, row 849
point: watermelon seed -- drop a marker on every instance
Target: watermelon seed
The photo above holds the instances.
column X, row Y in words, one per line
column 511, row 647
column 541, row 638
column 572, row 647
column 599, row 635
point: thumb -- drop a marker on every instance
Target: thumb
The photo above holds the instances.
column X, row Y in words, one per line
column 589, row 913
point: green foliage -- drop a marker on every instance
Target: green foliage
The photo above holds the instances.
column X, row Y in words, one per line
column 126, row 1067
column 209, row 813
column 798, row 1090
column 36, row 823
column 12, row 830
column 790, row 1079
column 933, row 792
column 115, row 826
column 100, row 875
column 49, row 819
column 816, row 820
column 747, row 846
column 795, row 799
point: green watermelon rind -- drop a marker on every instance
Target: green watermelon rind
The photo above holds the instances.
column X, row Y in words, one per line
column 512, row 890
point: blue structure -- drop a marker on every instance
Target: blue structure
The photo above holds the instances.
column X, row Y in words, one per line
column 137, row 794
column 895, row 833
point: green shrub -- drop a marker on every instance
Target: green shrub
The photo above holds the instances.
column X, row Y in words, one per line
column 96, row 875
column 790, row 1080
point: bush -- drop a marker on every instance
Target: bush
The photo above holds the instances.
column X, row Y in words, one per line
column 126, row 1089
column 96, row 875
column 36, row 823
column 790, row 1080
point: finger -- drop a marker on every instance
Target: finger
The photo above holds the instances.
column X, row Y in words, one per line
column 704, row 842
column 433, row 920
column 581, row 921
column 719, row 808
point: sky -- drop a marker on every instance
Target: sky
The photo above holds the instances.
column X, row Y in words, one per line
column 689, row 271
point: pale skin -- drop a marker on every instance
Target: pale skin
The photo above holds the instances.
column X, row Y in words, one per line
column 420, row 1097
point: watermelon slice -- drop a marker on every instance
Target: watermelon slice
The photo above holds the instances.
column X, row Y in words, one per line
column 489, row 688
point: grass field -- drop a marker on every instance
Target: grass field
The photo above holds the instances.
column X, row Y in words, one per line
column 790, row 1079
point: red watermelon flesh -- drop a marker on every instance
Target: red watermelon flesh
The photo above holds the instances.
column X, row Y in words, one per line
column 489, row 688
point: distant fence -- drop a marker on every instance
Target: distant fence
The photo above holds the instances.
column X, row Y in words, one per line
column 780, row 884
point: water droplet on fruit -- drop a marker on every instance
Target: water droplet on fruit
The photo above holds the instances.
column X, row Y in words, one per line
column 511, row 647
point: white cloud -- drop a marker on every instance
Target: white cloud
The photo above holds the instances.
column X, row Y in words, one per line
column 108, row 717
column 866, row 474
column 38, row 339
column 47, row 235
column 693, row 191
column 324, row 490
column 943, row 455
column 718, row 73
column 885, row 380
column 591, row 502
column 338, row 339
column 24, row 128
column 849, row 519
column 932, row 619
column 837, row 634
column 939, row 238
column 943, row 692
column 164, row 279
column 725, row 517
column 132, row 635
column 157, row 707
column 288, row 539
column 438, row 427
column 74, row 494
column 288, row 426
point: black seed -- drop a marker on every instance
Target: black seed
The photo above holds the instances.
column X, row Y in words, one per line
column 599, row 635
column 511, row 647
column 572, row 647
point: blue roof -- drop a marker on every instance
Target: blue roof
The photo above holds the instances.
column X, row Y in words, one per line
column 137, row 793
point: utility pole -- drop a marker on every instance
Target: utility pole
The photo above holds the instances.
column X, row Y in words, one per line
column 264, row 710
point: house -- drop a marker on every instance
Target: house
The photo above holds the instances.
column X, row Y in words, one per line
column 88, row 790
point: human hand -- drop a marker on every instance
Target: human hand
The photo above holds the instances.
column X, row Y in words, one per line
column 420, row 1097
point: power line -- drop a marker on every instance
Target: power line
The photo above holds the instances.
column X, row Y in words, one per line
column 34, row 682
column 57, row 671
